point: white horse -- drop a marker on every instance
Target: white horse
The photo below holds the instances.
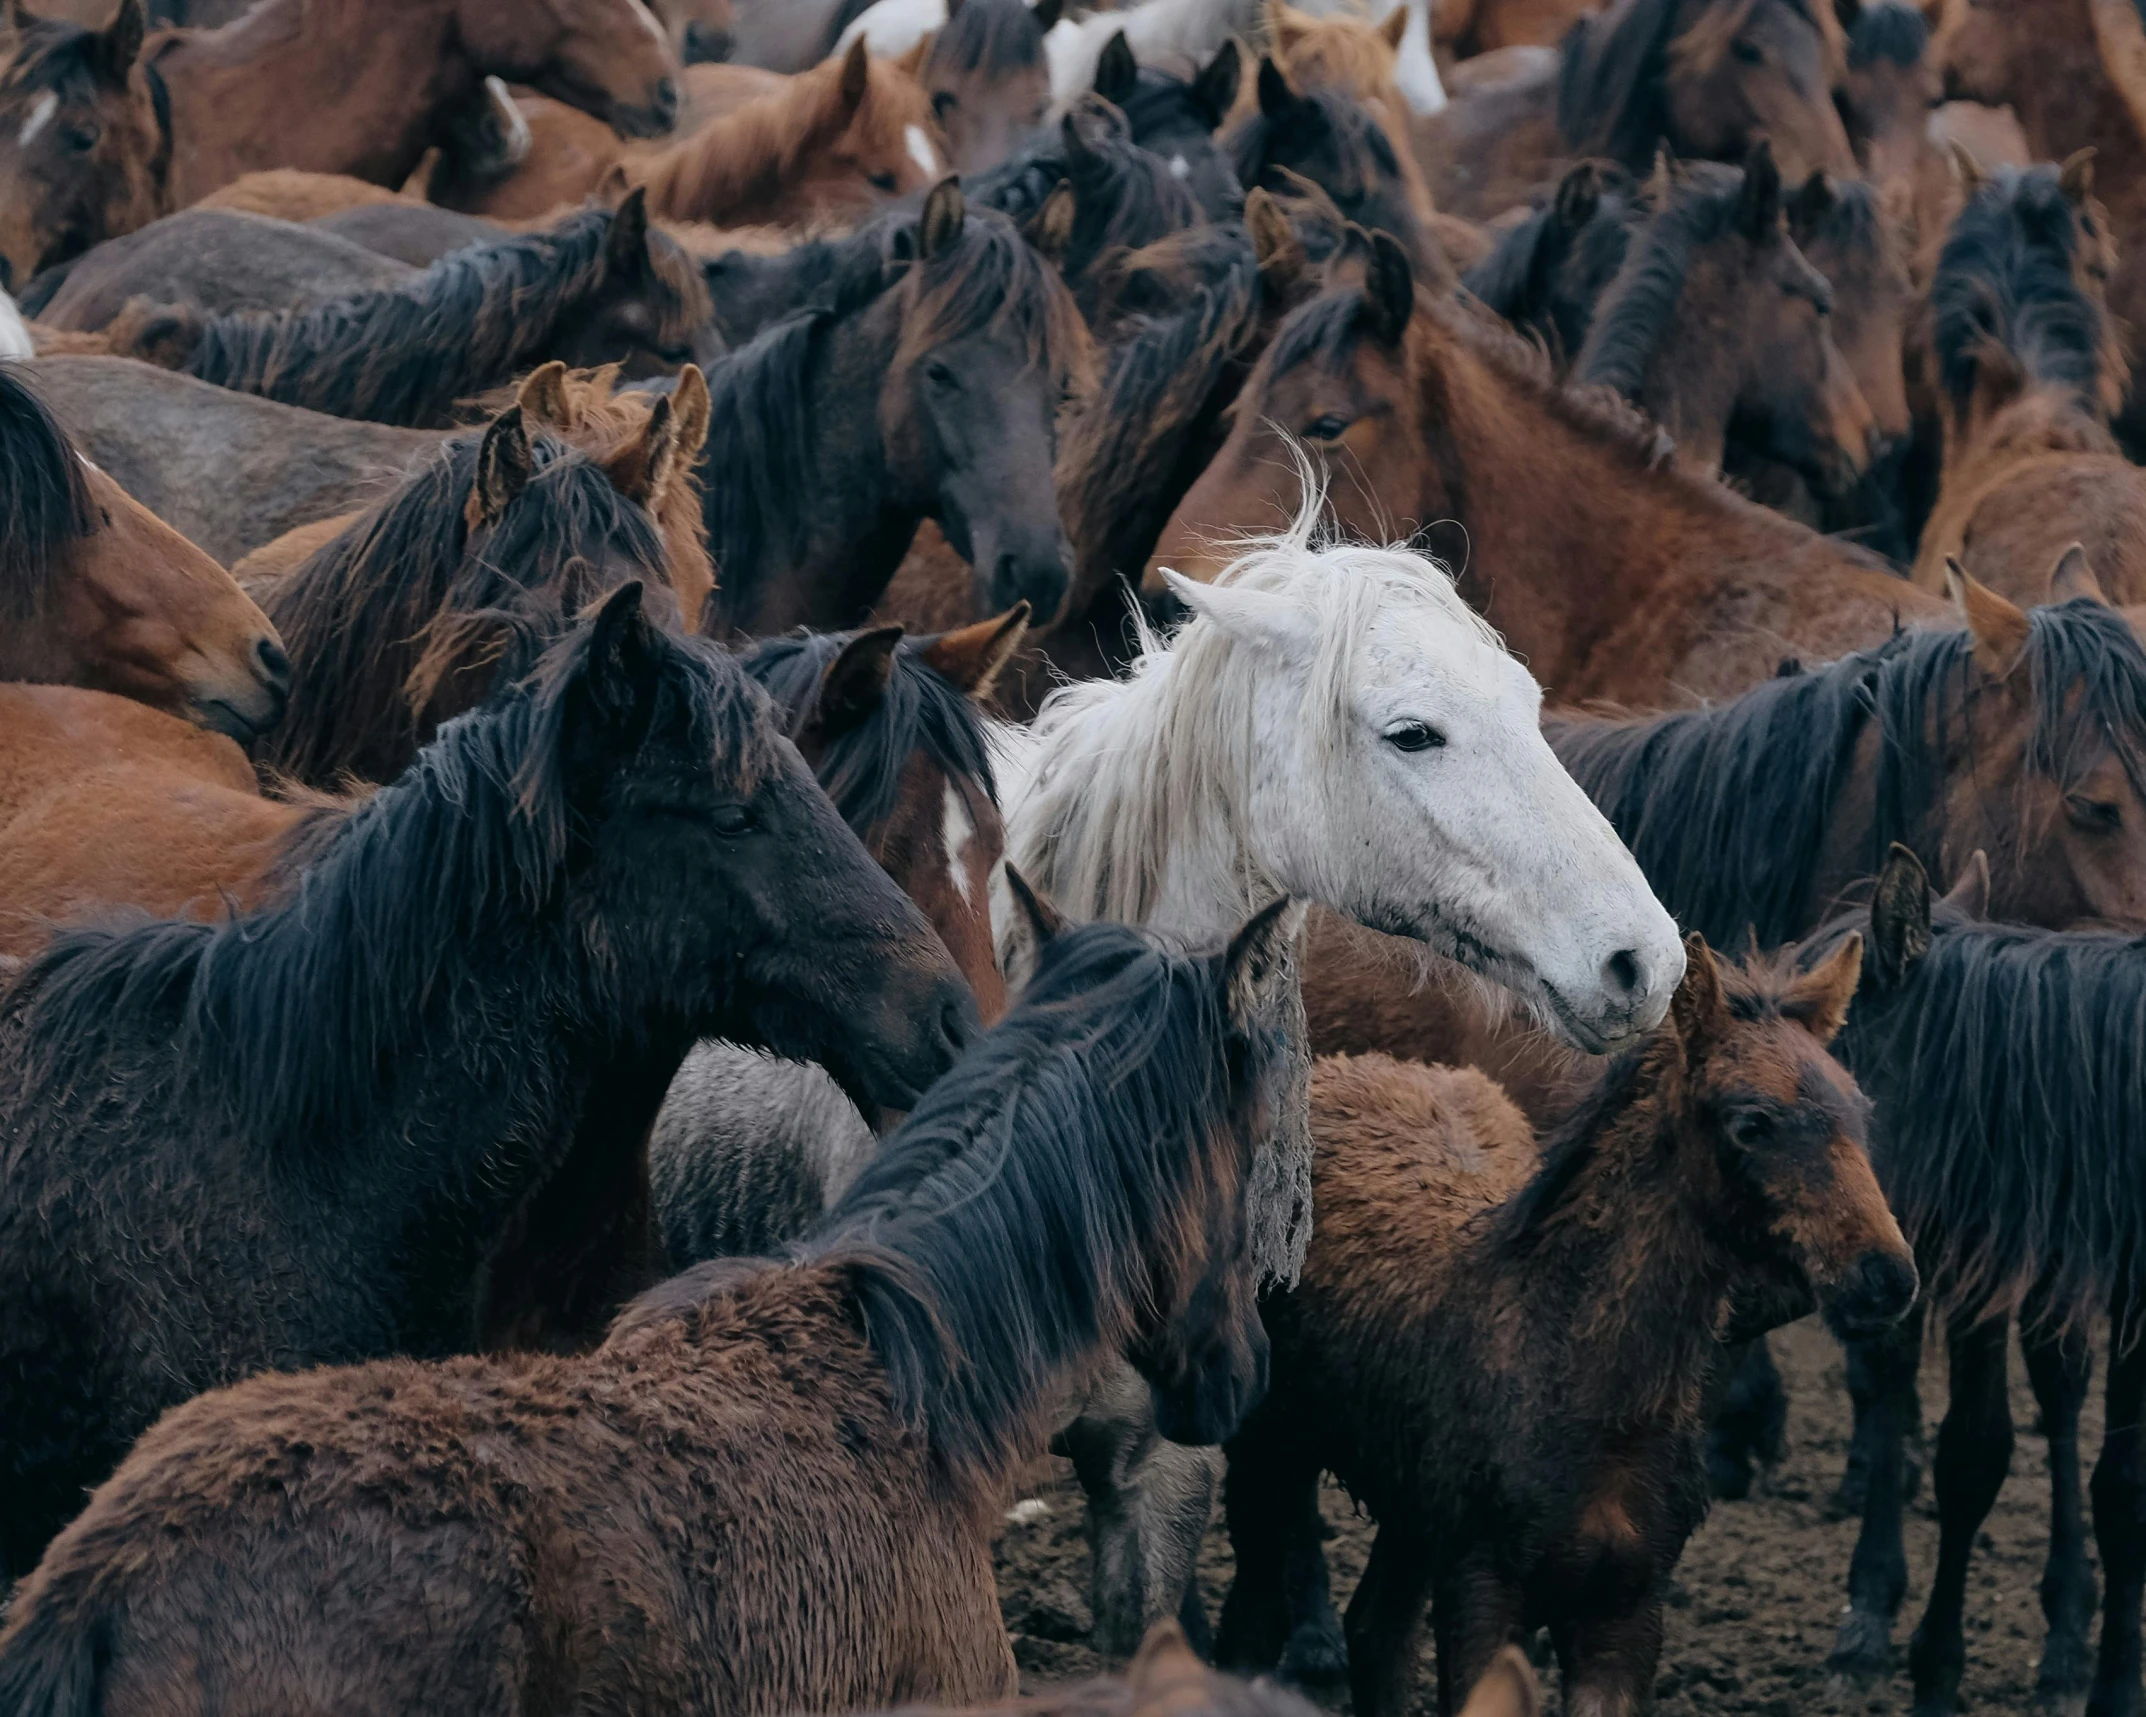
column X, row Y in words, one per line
column 15, row 341
column 1335, row 724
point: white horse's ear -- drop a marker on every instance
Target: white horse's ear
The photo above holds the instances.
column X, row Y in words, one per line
column 1252, row 616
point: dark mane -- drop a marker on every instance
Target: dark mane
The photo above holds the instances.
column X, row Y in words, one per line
column 1888, row 30
column 1545, row 278
column 408, row 353
column 750, row 290
column 51, row 55
column 1061, row 1149
column 290, row 1022
column 2011, row 1099
column 992, row 37
column 2010, row 278
column 919, row 712
column 45, row 507
column 1373, row 195
column 1726, row 808
column 397, row 603
column 1640, row 306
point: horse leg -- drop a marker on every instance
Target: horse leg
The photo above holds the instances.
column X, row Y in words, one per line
column 1752, row 1425
column 1608, row 1661
column 1877, row 1364
column 1385, row 1623
column 2120, row 1519
column 1280, row 1610
column 2060, row 1368
column 1974, row 1452
column 1887, row 1406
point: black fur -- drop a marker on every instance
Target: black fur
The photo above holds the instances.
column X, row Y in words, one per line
column 45, row 507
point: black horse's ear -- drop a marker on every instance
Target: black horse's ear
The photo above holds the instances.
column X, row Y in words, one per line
column 618, row 675
column 121, row 43
column 1812, row 204
column 627, row 249
column 1258, row 962
column 1579, row 196
column 1389, row 292
column 1044, row 922
column 505, row 464
column 855, row 682
column 1899, row 917
column 1758, row 209
column 1969, row 896
column 1214, row 91
column 1276, row 99
column 1047, row 13
column 1117, row 73
column 939, row 226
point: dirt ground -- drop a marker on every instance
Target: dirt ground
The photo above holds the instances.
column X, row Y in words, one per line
column 1757, row 1595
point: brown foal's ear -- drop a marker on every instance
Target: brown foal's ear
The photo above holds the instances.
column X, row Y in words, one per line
column 970, row 659
column 542, row 396
column 855, row 682
column 1258, row 963
column 2076, row 177
column 1700, row 1007
column 939, row 226
column 1965, row 167
column 1819, row 999
column 120, row 45
column 1970, row 895
column 505, row 464
column 1044, row 921
column 690, row 400
column 1508, row 1688
column 1389, row 292
column 1899, row 916
column 1050, row 228
column 638, row 467
column 856, row 76
column 1395, row 27
column 2000, row 629
column 2074, row 578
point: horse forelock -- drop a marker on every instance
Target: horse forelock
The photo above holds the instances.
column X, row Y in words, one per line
column 1640, row 306
column 994, row 283
column 45, row 505
column 1892, row 30
column 2088, row 676
column 990, row 37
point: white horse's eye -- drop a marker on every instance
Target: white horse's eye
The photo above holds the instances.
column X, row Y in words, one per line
column 1414, row 736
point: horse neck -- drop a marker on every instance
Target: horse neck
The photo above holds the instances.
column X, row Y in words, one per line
column 325, row 87
column 1690, row 392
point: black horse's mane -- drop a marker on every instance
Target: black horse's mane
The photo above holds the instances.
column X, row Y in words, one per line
column 45, row 508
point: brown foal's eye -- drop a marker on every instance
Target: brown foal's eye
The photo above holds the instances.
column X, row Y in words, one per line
column 1331, row 427
column 2099, row 815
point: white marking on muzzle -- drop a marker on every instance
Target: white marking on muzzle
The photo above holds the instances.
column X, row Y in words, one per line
column 40, row 116
column 921, row 151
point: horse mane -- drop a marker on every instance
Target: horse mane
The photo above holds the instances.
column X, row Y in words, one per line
column 406, row 353
column 45, row 506
column 2012, row 278
column 1061, row 1154
column 2010, row 1101
column 396, row 602
column 288, row 1024
column 1545, row 278
column 920, row 711
column 990, row 37
column 50, row 54
column 1640, row 306
column 1726, row 808
column 1250, row 143
column 1888, row 30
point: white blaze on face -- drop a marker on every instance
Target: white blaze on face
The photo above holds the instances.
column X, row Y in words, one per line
column 921, row 151
column 40, row 116
column 957, row 831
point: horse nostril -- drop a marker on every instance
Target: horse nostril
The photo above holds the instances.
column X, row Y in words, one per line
column 957, row 1024
column 706, row 45
column 274, row 663
column 1623, row 973
column 667, row 101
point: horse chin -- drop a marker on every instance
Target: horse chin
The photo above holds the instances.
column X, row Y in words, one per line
column 1207, row 1407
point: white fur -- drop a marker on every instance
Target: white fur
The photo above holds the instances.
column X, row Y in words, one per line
column 1248, row 757
column 1416, row 74
column 41, row 112
column 15, row 341
column 920, row 150
column 892, row 27
column 957, row 831
column 1169, row 33
column 510, row 114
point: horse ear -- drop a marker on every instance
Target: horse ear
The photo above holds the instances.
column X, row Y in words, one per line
column 627, row 248
column 1811, row 206
column 690, row 400
column 1899, row 916
column 121, row 43
column 939, row 226
column 856, row 75
column 2076, row 177
column 1163, row 1671
column 1282, row 261
column 504, row 466
column 1117, row 73
column 1970, row 896
column 1258, row 963
column 1758, row 210
column 618, row 671
column 1579, row 197
column 542, row 396
column 2074, row 578
column 639, row 467
column 1700, row 1007
column 1389, row 291
column 1276, row 99
column 1214, row 91
column 913, row 62
column 1965, row 167
column 2000, row 629
column 855, row 682
column 1047, row 13
column 1286, row 26
column 1043, row 922
column 1819, row 1000
column 1263, row 618
column 970, row 659
column 1395, row 27
column 1050, row 228
column 1508, row 1688
column 1663, row 179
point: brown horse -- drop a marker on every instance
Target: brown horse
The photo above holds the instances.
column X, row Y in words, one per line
column 1466, row 28
column 1503, row 1352
column 100, row 133
column 1643, row 585
column 96, row 591
column 703, row 1524
column 987, row 78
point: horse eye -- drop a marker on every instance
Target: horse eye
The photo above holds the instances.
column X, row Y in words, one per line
column 2100, row 815
column 883, row 181
column 941, row 375
column 732, row 819
column 81, row 139
column 944, row 101
column 1748, row 52
column 1328, row 428
column 1751, row 1128
column 1414, row 736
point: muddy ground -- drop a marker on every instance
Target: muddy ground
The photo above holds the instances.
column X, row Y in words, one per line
column 1757, row 1595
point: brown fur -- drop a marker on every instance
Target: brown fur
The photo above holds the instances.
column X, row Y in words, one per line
column 1470, row 28
column 287, row 194
column 1504, row 1355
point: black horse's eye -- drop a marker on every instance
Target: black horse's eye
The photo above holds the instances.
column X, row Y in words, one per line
column 1751, row 1128
column 80, row 138
column 1748, row 52
column 884, row 182
column 944, row 101
column 1331, row 427
column 941, row 375
column 2097, row 814
column 732, row 820
column 1414, row 736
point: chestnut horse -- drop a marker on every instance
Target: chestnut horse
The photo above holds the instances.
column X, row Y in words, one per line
column 1503, row 1352
column 96, row 591
column 703, row 1524
column 100, row 133
column 484, row 965
column 1645, row 585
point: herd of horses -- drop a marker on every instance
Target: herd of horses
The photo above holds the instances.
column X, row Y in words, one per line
column 758, row 754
